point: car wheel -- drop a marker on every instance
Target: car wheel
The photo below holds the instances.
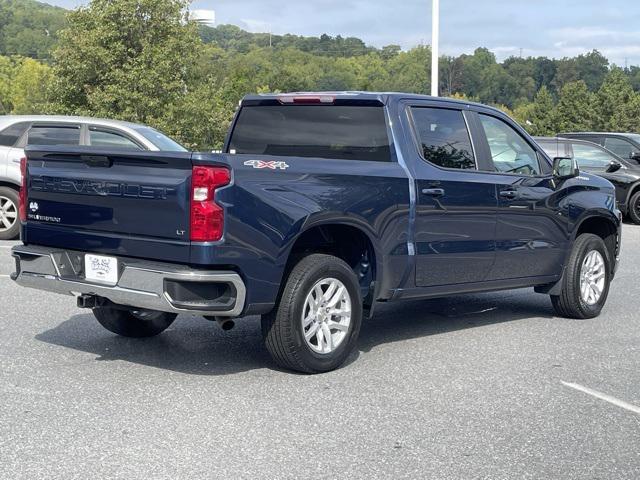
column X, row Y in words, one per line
column 634, row 208
column 137, row 323
column 316, row 323
column 9, row 217
column 585, row 284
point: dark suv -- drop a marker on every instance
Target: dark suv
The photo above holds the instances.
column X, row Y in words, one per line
column 625, row 145
column 625, row 175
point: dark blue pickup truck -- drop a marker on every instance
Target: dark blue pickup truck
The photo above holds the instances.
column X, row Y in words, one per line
column 320, row 206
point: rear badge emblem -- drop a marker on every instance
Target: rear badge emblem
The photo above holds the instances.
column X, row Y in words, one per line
column 272, row 165
column 33, row 206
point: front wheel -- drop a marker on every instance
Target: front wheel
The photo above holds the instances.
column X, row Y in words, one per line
column 136, row 323
column 585, row 284
column 316, row 324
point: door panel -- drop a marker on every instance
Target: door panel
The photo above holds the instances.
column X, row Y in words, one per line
column 456, row 204
column 530, row 236
column 455, row 231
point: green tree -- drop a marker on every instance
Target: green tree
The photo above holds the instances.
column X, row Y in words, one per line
column 473, row 68
column 575, row 110
column 23, row 85
column 126, row 59
column 616, row 103
column 29, row 86
column 29, row 28
column 498, row 87
column 627, row 119
column 592, row 68
column 538, row 117
column 6, row 77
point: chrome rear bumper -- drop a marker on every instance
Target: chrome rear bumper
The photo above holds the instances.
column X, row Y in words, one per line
column 141, row 284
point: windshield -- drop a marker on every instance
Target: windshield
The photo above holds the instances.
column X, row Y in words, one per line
column 160, row 140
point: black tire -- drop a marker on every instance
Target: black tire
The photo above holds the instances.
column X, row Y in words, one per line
column 633, row 210
column 9, row 197
column 570, row 303
column 133, row 323
column 283, row 331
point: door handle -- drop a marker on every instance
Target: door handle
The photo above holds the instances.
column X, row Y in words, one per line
column 433, row 192
column 509, row 194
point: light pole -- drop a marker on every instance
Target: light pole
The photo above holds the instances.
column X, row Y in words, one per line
column 435, row 38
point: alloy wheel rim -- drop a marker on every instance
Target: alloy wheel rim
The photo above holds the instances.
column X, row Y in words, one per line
column 326, row 315
column 8, row 214
column 592, row 277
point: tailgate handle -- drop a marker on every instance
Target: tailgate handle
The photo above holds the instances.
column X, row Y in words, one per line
column 97, row 160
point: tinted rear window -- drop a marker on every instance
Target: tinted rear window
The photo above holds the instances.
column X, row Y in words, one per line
column 10, row 135
column 322, row 131
column 54, row 135
column 444, row 137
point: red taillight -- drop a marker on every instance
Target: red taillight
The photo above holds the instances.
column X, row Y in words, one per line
column 22, row 195
column 207, row 217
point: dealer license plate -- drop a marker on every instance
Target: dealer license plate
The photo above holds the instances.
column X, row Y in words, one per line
column 101, row 269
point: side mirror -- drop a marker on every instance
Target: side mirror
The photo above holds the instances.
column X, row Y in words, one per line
column 613, row 166
column 565, row 167
column 635, row 155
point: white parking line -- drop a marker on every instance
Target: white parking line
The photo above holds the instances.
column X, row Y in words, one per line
column 603, row 396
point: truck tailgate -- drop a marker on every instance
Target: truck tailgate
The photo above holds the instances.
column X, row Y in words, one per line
column 126, row 203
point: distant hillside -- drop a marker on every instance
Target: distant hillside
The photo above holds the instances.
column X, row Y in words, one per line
column 233, row 38
column 29, row 28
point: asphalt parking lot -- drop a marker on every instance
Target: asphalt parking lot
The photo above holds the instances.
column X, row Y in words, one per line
column 466, row 387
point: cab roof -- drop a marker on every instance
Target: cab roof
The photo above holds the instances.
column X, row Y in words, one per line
column 383, row 98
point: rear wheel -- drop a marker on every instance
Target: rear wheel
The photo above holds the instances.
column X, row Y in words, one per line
column 137, row 323
column 585, row 285
column 634, row 208
column 316, row 324
column 9, row 220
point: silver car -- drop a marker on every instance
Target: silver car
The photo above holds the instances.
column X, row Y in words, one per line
column 18, row 131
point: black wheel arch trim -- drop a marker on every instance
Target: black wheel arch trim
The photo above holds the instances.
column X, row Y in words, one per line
column 334, row 218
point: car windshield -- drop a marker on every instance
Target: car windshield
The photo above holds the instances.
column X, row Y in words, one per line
column 160, row 140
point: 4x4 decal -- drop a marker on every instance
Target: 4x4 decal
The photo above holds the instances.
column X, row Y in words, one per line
column 273, row 165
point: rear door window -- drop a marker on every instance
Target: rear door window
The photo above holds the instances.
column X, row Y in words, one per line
column 54, row 135
column 510, row 152
column 99, row 137
column 589, row 156
column 620, row 147
column 320, row 131
column 10, row 135
column 443, row 137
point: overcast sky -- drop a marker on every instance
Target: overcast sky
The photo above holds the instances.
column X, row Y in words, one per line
column 554, row 28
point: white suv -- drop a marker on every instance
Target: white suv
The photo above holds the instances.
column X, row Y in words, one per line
column 18, row 131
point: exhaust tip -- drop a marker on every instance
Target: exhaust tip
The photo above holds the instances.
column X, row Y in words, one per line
column 226, row 324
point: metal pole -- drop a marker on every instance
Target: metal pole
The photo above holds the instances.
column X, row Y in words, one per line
column 435, row 38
